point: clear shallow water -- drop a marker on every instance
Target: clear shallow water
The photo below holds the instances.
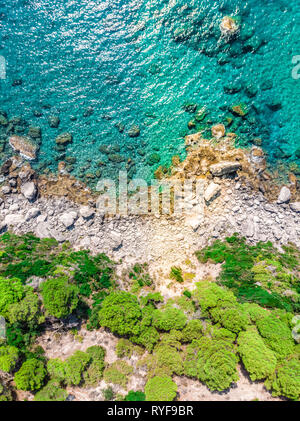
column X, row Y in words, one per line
column 138, row 62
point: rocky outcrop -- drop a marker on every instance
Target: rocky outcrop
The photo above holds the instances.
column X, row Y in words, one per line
column 229, row 26
column 224, row 168
column 24, row 146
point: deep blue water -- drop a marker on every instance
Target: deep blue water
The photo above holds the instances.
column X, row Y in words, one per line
column 138, row 62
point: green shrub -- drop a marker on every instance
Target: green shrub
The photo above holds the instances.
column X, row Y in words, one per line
column 118, row 373
column 108, row 394
column 11, row 291
column 232, row 318
column 56, row 369
column 210, row 295
column 31, row 375
column 258, row 359
column 75, row 366
column 286, row 379
column 160, row 389
column 170, row 318
column 176, row 274
column 8, row 358
column 216, row 364
column 51, row 392
column 193, row 330
column 277, row 335
column 121, row 313
column 60, row 297
column 26, row 311
column 135, row 396
column 147, row 338
column 124, row 348
column 165, row 360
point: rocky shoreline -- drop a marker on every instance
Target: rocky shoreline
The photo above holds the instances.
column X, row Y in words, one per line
column 160, row 241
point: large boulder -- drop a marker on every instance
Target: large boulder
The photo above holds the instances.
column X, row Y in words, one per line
column 284, row 195
column 68, row 218
column 29, row 190
column 212, row 192
column 86, row 212
column 224, row 168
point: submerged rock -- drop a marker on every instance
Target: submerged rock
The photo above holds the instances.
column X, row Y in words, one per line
column 229, row 26
column 134, row 131
column 24, row 146
column 64, row 139
column 54, row 121
column 218, row 131
column 35, row 132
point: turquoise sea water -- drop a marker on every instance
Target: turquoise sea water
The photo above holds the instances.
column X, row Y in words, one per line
column 106, row 63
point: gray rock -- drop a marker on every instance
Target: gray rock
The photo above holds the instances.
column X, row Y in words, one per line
column 86, row 212
column 68, row 218
column 42, row 230
column 32, row 213
column 284, row 195
column 212, row 191
column 116, row 240
column 295, row 206
column 13, row 219
column 29, row 190
column 223, row 168
column 6, row 189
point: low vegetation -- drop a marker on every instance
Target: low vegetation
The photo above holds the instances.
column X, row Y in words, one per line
column 246, row 317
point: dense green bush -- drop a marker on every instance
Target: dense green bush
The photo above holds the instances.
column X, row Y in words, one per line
column 31, row 375
column 216, row 363
column 56, row 369
column 258, row 359
column 170, row 318
column 11, row 291
column 51, row 392
column 118, row 373
column 160, row 389
column 75, row 366
column 192, row 330
column 165, row 360
column 277, row 335
column 121, row 313
column 60, row 298
column 285, row 381
column 233, row 318
column 135, row 396
column 8, row 358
